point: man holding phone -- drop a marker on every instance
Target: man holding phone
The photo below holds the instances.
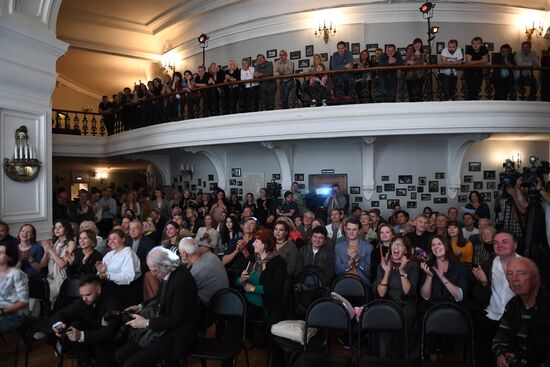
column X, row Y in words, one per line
column 85, row 328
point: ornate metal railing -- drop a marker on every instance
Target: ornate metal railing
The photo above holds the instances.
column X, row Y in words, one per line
column 335, row 87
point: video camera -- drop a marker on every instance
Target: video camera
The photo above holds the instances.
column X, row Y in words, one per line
column 273, row 193
column 123, row 316
column 529, row 175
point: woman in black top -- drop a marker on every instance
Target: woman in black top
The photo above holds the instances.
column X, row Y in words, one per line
column 262, row 207
column 82, row 260
column 234, row 207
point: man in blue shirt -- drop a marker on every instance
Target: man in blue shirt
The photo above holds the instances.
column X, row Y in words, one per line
column 342, row 60
column 353, row 254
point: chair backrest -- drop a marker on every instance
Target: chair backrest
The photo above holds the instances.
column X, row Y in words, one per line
column 39, row 287
column 351, row 287
column 228, row 304
column 384, row 315
column 448, row 319
column 68, row 293
column 327, row 313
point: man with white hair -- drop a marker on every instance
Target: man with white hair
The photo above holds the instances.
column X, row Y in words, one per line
column 206, row 268
column 170, row 317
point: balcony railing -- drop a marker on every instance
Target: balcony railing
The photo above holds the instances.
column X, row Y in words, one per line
column 336, row 87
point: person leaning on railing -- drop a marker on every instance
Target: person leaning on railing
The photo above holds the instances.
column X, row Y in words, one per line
column 503, row 79
column 248, row 100
column 415, row 78
column 388, row 79
column 526, row 78
column 267, row 88
column 231, row 100
column 476, row 54
column 450, row 55
column 363, row 81
column 342, row 59
column 287, row 86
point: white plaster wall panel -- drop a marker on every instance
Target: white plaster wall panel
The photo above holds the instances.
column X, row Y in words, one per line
column 67, row 98
column 202, row 165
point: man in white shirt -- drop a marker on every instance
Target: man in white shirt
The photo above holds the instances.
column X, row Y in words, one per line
column 248, row 101
column 450, row 55
column 493, row 293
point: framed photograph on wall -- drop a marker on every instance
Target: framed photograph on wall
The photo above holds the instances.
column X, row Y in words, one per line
column 374, row 204
column 474, row 166
column 443, row 190
column 271, row 53
column 486, row 197
column 355, row 190
column 402, row 51
column 490, row 185
column 405, row 179
column 304, row 63
column 433, row 186
column 212, row 186
column 462, row 198
column 401, row 192
column 382, row 197
column 440, row 200
column 440, row 175
column 379, row 189
column 358, row 199
column 468, row 179
column 413, row 195
column 411, row 188
column 232, row 182
column 392, row 203
column 439, row 46
column 356, row 48
column 239, row 183
column 489, row 175
column 464, row 188
column 324, row 56
column 210, row 177
column 419, row 189
column 309, row 51
column 385, row 178
column 371, row 47
column 478, row 185
column 490, row 46
column 422, row 181
column 298, row 177
column 411, row 204
column 426, row 197
column 389, row 187
column 295, row 55
column 235, row 172
column 276, row 176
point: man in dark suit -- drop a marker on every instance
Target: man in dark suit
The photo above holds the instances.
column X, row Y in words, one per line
column 140, row 244
column 83, row 327
column 174, row 322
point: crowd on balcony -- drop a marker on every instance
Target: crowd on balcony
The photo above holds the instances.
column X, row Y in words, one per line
column 162, row 255
column 206, row 93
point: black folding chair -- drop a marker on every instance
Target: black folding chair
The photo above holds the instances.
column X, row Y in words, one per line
column 448, row 319
column 68, row 293
column 326, row 314
column 378, row 316
column 351, row 287
column 225, row 305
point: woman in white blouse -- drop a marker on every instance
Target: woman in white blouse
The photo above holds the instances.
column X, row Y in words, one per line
column 207, row 236
column 119, row 269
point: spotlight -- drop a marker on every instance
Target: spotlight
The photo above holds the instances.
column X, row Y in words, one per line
column 426, row 7
column 434, row 29
column 203, row 38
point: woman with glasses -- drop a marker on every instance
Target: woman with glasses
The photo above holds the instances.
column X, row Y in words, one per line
column 397, row 280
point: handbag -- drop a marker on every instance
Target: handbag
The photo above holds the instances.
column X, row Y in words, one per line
column 144, row 337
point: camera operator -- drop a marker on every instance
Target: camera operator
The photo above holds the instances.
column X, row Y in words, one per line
column 511, row 209
column 85, row 326
column 336, row 200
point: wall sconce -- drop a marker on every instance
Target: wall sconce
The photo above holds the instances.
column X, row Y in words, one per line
column 24, row 166
column 516, row 159
column 187, row 171
column 169, row 65
column 529, row 32
column 325, row 32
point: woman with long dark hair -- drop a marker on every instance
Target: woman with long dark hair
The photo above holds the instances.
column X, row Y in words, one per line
column 462, row 248
column 415, row 78
column 231, row 230
column 363, row 81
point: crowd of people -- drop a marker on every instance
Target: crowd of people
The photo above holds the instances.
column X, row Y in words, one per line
column 181, row 96
column 162, row 256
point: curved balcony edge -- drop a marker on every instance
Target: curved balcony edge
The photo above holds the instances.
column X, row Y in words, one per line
column 385, row 119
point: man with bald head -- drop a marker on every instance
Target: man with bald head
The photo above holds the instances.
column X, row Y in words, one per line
column 523, row 336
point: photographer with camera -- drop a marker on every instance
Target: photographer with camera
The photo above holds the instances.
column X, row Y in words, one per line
column 87, row 328
column 523, row 335
column 512, row 205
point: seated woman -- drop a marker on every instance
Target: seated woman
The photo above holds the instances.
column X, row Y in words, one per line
column 207, row 236
column 447, row 280
column 462, row 248
column 287, row 250
column 483, row 248
column 14, row 297
column 264, row 285
column 318, row 88
column 171, row 237
column 82, row 261
column 56, row 254
column 397, row 279
column 101, row 244
column 119, row 268
column 234, row 207
column 231, row 230
column 30, row 252
column 477, row 204
column 381, row 248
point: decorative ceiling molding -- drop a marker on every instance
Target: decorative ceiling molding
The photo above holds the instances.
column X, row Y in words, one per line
column 107, row 21
column 111, row 50
column 77, row 87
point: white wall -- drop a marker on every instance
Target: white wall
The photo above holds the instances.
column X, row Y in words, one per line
column 65, row 98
